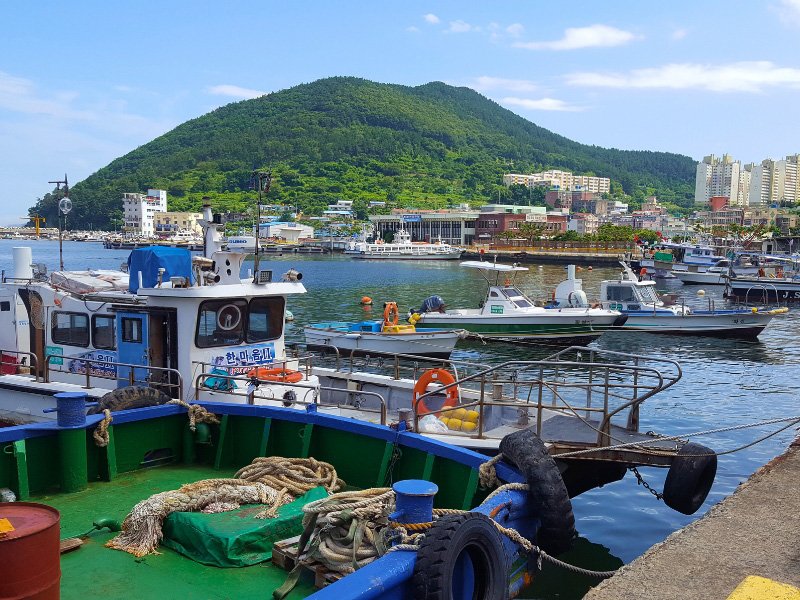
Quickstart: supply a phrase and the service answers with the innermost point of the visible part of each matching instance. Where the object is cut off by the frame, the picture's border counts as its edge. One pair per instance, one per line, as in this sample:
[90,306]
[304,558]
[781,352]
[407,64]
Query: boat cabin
[629,295]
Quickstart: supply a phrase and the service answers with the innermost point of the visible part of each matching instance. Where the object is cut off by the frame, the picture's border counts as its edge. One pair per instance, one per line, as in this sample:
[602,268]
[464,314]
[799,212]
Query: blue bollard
[413,501]
[71,408]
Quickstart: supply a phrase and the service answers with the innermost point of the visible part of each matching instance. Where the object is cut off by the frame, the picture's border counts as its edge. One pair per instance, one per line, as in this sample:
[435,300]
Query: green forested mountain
[352,139]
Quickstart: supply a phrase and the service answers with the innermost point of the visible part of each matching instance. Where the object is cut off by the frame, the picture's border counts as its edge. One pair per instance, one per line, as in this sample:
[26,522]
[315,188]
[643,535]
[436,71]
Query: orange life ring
[597,305]
[422,384]
[282,375]
[779,273]
[391,315]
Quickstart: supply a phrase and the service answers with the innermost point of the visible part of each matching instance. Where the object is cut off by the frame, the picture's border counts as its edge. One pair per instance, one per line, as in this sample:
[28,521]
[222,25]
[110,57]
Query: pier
[747,546]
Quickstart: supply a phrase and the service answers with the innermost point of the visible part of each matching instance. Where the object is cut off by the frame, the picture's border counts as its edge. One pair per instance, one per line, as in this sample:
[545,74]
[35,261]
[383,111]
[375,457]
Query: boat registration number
[497,310]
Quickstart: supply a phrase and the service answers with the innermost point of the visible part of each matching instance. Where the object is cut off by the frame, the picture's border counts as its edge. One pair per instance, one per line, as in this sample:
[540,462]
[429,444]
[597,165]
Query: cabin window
[70,329]
[265,319]
[104,334]
[220,323]
[132,329]
[5,306]
[620,293]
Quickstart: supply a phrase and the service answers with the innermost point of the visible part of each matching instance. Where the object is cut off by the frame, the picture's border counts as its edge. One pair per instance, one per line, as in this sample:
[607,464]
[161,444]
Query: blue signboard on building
[412,218]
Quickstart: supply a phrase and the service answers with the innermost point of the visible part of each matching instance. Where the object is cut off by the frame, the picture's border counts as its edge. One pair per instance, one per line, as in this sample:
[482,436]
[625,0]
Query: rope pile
[197,414]
[141,530]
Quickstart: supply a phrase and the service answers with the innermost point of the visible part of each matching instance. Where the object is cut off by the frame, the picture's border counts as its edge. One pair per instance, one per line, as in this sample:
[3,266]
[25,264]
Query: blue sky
[82,83]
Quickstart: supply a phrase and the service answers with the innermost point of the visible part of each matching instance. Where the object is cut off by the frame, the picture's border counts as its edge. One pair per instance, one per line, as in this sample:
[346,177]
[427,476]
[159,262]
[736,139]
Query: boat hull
[736,324]
[433,344]
[566,325]
[755,289]
[407,256]
[689,278]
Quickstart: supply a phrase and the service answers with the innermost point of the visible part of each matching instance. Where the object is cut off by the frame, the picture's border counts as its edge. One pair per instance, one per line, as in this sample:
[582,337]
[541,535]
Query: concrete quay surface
[754,531]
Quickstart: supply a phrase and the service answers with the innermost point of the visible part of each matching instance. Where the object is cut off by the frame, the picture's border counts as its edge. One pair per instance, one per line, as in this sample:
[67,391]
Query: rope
[100,433]
[487,474]
[197,414]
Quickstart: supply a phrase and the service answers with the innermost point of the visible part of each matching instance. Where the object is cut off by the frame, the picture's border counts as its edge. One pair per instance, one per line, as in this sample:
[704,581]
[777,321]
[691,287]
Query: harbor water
[725,382]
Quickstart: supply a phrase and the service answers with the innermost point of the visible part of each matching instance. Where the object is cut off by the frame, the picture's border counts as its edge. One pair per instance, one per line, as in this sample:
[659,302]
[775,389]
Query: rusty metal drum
[29,551]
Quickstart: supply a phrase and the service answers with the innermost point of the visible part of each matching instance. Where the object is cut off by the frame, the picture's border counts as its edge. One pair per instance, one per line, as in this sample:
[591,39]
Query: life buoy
[441,566]
[441,376]
[690,478]
[779,273]
[391,314]
[278,374]
[547,492]
[597,305]
[761,272]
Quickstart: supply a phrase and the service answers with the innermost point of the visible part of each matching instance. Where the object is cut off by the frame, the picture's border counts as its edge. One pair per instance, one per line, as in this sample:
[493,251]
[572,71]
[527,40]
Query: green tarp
[236,538]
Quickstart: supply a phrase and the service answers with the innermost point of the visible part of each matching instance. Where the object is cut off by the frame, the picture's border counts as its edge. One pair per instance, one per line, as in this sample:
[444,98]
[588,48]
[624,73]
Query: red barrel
[29,551]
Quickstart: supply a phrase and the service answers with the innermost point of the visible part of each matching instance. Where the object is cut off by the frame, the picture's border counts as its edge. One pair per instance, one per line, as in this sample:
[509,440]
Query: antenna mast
[262,181]
[64,206]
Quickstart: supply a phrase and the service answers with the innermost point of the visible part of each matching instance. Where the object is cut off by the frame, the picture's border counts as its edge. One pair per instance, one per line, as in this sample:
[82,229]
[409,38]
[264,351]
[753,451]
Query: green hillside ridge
[346,138]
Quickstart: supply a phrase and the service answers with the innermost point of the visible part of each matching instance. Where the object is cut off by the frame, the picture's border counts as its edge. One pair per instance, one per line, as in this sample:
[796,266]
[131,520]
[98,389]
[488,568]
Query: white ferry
[403,248]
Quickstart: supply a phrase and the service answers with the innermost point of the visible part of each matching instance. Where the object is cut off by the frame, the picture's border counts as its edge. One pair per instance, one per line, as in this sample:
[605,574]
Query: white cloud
[460,26]
[753,76]
[515,30]
[679,34]
[789,11]
[594,36]
[431,18]
[486,83]
[234,91]
[413,29]
[551,104]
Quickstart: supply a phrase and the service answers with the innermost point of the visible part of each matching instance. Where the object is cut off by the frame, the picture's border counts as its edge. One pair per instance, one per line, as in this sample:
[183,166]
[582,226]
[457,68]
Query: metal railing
[18,365]
[110,370]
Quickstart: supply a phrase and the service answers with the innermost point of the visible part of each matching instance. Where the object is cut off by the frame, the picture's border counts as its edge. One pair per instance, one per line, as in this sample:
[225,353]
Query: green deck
[93,571]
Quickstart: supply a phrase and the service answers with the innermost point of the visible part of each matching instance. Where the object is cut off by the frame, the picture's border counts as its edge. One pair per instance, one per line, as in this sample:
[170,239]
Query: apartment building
[138,211]
[719,177]
[563,180]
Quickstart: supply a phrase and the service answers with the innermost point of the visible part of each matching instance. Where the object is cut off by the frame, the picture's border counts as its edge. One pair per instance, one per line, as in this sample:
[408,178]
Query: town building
[583,224]
[719,177]
[138,211]
[342,209]
[455,227]
[563,180]
[170,223]
[282,230]
[498,218]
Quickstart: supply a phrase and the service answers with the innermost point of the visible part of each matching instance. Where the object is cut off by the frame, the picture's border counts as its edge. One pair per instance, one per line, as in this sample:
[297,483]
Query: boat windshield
[648,293]
[519,299]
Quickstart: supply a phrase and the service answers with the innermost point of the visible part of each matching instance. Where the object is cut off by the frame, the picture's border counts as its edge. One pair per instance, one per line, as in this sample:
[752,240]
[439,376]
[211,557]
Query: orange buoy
[278,374]
[366,300]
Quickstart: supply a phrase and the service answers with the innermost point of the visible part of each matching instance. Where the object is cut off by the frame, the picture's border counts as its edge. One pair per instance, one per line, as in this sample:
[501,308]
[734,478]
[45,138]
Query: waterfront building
[169,223]
[289,231]
[583,224]
[456,227]
[497,218]
[138,211]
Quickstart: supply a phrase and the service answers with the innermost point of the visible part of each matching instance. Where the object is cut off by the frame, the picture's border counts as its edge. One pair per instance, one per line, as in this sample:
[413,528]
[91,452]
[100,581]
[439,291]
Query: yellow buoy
[701,292]
[472,416]
[468,426]
[444,420]
[454,424]
[458,413]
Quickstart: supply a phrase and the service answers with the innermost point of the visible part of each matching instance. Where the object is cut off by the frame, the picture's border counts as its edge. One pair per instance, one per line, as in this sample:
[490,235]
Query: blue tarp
[176,262]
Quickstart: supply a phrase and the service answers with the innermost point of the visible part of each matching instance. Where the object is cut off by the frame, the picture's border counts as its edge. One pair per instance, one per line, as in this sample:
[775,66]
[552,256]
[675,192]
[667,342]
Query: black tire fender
[132,396]
[547,491]
[690,478]
[450,543]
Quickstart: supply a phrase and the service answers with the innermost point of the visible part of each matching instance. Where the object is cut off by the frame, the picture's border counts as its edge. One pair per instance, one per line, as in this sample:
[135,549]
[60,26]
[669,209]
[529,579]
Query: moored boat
[402,248]
[507,313]
[647,311]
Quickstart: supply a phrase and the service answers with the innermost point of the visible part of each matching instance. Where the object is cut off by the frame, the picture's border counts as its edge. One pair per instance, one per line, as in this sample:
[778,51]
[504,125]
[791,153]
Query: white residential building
[763,182]
[563,180]
[138,211]
[718,177]
[583,224]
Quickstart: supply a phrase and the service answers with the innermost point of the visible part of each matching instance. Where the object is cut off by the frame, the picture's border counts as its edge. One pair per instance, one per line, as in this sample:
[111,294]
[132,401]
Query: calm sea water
[725,382]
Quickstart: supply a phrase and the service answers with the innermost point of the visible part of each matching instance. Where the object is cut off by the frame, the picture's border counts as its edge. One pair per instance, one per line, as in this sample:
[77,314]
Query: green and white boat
[507,313]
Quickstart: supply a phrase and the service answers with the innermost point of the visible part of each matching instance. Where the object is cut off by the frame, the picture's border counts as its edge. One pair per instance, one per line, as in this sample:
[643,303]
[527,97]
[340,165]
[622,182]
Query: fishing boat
[716,275]
[402,248]
[382,337]
[152,504]
[507,313]
[647,311]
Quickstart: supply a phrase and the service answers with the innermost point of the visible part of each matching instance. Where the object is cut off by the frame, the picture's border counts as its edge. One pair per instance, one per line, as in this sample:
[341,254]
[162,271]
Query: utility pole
[64,206]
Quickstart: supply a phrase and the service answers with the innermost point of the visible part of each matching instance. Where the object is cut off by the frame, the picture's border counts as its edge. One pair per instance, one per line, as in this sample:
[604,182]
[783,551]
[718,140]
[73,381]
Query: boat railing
[252,384]
[164,378]
[356,359]
[17,365]
[597,392]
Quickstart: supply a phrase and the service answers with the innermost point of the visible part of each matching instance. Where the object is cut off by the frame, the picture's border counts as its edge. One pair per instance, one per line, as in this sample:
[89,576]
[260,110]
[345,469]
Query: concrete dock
[753,532]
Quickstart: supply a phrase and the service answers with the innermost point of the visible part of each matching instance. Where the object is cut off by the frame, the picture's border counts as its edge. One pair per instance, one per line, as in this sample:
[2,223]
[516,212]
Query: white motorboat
[507,313]
[404,249]
[382,337]
[647,312]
